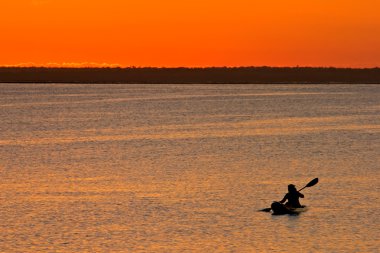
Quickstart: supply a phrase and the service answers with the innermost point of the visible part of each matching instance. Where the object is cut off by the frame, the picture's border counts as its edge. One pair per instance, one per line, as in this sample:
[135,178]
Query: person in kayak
[293,197]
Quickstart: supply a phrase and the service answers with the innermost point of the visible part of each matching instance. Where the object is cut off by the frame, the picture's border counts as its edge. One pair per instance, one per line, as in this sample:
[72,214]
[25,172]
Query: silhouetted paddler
[292,197]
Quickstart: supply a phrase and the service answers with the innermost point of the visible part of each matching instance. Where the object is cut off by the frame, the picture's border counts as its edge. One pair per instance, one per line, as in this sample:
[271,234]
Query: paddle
[310,184]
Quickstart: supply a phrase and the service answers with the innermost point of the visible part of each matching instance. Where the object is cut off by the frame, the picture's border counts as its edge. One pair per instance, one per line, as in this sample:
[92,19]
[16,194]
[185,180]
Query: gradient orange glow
[341,33]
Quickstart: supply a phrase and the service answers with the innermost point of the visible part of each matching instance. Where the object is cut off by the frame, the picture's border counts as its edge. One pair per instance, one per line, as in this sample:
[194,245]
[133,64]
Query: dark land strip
[238,75]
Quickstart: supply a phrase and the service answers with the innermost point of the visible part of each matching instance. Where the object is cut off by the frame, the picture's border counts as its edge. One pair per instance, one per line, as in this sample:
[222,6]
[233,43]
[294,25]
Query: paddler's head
[292,188]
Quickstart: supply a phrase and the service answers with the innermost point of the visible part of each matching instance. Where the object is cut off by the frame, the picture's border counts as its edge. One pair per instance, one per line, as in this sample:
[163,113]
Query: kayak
[280,209]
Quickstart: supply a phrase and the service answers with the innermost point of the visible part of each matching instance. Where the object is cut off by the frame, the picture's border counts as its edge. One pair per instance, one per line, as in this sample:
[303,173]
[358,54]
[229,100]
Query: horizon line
[86,65]
[183,67]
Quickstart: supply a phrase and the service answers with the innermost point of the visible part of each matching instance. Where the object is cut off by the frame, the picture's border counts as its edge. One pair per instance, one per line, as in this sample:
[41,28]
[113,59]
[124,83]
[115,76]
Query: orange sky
[342,33]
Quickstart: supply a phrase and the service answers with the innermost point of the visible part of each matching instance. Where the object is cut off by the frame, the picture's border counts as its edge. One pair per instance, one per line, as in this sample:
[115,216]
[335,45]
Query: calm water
[184,168]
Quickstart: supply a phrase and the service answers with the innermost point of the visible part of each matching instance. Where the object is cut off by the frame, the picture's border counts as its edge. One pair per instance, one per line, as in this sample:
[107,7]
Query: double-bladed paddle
[310,184]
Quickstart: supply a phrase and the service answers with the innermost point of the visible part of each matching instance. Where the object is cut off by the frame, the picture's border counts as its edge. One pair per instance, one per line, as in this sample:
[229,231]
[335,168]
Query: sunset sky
[170,33]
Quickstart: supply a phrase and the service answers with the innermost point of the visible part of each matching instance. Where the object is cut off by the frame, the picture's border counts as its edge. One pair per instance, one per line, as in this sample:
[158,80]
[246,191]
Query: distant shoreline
[211,75]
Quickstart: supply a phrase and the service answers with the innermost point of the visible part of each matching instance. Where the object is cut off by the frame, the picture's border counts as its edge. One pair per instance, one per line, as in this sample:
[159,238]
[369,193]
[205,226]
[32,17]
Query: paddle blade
[312,182]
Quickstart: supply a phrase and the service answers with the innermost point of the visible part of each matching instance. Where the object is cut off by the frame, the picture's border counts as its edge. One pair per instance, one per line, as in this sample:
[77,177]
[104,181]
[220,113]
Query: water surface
[184,168]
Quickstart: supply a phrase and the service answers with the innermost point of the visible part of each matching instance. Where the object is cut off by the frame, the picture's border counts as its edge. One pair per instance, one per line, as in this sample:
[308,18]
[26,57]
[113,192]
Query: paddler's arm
[301,195]
[284,199]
